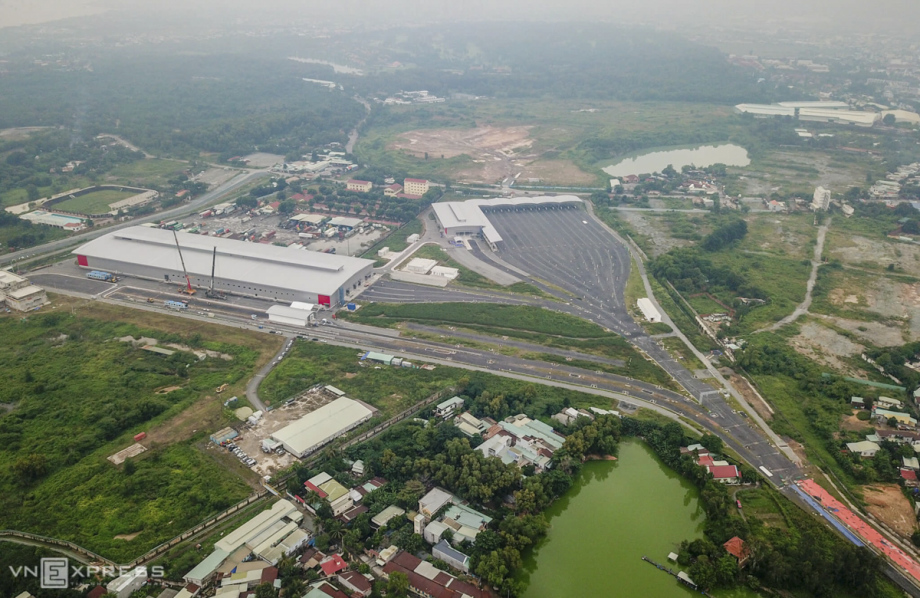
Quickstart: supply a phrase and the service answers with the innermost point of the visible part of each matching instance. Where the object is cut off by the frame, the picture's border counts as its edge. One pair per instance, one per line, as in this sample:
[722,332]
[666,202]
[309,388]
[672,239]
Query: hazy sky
[825,14]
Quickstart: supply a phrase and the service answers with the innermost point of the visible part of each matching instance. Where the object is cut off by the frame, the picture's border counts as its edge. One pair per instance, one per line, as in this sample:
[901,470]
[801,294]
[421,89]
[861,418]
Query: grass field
[79,395]
[17,196]
[511,317]
[95,202]
[147,172]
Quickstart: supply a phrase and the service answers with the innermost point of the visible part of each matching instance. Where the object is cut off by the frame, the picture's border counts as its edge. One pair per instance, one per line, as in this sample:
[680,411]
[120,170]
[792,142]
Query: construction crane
[187,290]
[211,293]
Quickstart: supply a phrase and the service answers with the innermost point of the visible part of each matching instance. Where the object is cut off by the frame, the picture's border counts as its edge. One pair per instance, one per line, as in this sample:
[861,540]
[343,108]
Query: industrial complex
[469,218]
[240,268]
[829,112]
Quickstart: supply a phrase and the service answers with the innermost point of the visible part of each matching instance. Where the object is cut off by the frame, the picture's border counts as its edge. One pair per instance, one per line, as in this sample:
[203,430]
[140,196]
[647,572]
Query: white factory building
[470,217]
[318,427]
[827,112]
[253,269]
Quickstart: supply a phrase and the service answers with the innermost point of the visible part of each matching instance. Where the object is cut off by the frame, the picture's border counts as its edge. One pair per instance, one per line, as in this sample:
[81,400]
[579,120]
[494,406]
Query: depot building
[471,217]
[241,268]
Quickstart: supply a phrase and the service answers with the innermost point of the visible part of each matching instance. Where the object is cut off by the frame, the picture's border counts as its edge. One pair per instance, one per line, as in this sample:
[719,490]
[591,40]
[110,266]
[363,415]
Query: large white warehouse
[316,428]
[470,217]
[253,269]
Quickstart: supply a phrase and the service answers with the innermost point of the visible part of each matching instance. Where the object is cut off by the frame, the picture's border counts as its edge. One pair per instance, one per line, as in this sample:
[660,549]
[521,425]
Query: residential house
[427,580]
[858,402]
[470,425]
[433,502]
[888,403]
[332,564]
[386,555]
[903,419]
[324,589]
[331,491]
[725,474]
[358,493]
[909,476]
[570,414]
[464,522]
[911,463]
[864,448]
[453,557]
[433,531]
[355,583]
[447,408]
[393,190]
[737,548]
[384,516]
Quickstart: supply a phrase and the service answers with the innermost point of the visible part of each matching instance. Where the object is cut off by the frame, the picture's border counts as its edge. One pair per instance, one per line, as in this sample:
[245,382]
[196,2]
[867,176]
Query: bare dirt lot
[477,143]
[889,505]
[263,160]
[825,346]
[853,424]
[876,333]
[496,152]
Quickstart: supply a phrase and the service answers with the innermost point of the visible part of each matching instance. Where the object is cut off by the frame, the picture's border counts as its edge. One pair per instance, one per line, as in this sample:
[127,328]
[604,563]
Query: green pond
[616,513]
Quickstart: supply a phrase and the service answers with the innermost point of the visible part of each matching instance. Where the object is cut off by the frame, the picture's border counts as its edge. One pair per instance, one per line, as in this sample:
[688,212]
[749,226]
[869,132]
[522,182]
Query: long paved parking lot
[568,248]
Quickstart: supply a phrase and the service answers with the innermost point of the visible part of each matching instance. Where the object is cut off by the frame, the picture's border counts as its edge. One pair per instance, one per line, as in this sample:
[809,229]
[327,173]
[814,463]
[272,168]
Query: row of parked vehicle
[242,456]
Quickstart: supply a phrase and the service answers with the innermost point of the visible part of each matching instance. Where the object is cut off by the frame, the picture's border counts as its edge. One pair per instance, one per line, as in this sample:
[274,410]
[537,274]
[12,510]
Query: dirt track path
[802,308]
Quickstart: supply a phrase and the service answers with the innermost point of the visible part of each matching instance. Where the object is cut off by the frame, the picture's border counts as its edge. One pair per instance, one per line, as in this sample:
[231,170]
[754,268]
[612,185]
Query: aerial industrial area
[341,310]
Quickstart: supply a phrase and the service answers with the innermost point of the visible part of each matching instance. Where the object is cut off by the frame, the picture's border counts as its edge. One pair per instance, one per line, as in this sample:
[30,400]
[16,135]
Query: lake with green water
[701,157]
[616,512]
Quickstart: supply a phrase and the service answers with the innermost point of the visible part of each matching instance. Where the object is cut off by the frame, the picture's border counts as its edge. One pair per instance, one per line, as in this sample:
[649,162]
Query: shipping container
[175,304]
[139,437]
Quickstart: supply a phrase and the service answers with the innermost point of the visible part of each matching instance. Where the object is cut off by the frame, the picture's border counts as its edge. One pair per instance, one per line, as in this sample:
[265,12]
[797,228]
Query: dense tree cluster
[725,235]
[690,271]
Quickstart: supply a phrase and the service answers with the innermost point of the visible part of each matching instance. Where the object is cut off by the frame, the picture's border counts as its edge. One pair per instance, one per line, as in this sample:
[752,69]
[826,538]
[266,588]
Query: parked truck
[100,275]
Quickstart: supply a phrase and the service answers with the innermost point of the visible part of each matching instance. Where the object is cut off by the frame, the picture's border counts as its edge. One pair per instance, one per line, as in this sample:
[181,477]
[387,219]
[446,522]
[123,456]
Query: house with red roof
[427,580]
[333,564]
[355,583]
[97,592]
[706,461]
[738,549]
[726,474]
[392,190]
[909,476]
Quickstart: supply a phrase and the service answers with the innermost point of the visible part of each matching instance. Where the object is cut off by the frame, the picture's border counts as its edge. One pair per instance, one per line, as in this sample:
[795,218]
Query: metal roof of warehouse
[318,426]
[452,214]
[254,263]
